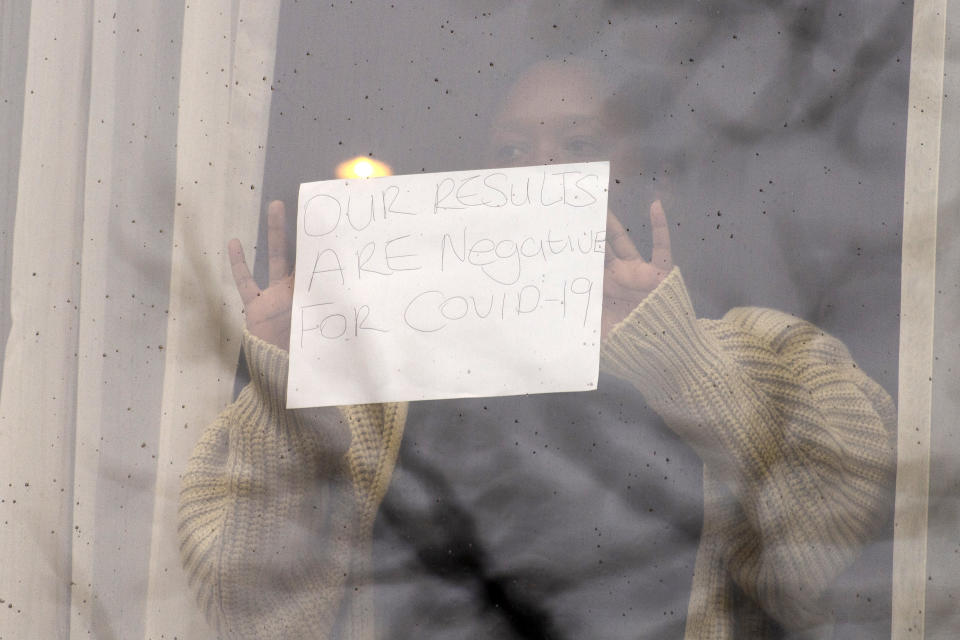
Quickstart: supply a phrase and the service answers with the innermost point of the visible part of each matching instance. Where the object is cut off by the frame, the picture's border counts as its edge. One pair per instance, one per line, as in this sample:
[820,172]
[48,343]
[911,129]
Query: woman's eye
[510,153]
[582,146]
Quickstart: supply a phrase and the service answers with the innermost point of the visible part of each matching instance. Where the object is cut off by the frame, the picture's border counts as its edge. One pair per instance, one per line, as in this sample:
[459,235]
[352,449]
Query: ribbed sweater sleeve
[797,443]
[274,507]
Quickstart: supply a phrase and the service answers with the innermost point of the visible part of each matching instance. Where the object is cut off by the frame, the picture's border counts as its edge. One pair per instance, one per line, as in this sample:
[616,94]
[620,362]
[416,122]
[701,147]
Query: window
[778,175]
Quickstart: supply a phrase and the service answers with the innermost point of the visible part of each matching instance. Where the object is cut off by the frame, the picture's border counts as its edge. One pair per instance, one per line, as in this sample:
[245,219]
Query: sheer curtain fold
[38,398]
[127,220]
[225,88]
[14,26]
[144,129]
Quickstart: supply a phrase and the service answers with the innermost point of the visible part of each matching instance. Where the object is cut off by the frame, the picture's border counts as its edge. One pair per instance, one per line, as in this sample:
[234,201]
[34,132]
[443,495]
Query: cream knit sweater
[277,506]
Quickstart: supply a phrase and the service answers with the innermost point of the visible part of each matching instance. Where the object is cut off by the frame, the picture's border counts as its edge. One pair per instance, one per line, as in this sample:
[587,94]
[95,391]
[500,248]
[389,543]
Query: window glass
[773,137]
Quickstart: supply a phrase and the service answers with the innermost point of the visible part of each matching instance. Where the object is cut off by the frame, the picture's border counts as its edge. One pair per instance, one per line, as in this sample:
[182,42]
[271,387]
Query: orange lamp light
[363,167]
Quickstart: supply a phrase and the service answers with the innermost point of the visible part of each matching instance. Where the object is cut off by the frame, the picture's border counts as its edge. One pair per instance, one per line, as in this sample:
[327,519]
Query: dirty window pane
[733,474]
[774,140]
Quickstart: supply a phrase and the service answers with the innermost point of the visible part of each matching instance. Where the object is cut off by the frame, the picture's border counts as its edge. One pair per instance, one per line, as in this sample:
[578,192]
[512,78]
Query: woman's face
[563,112]
[553,114]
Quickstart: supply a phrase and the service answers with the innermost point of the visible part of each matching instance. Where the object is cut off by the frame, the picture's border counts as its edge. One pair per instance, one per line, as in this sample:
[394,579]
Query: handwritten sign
[445,285]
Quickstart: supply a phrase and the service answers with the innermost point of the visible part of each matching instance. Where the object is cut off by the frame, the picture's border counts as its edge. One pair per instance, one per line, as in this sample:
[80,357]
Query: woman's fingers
[661,256]
[246,285]
[619,240]
[277,241]
[636,275]
[624,264]
[627,277]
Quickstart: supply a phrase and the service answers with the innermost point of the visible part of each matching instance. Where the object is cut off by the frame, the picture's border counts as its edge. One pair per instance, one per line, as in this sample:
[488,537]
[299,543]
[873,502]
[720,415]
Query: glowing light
[361,167]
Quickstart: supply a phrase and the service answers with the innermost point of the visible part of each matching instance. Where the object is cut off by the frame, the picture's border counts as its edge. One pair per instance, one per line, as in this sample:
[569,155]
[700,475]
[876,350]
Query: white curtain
[142,130]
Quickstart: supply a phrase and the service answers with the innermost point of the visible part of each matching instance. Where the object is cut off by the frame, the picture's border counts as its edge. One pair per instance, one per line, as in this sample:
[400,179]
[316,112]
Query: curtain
[143,129]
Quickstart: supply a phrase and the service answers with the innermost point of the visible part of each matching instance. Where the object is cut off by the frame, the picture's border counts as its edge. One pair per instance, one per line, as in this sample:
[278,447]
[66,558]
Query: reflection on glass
[721,482]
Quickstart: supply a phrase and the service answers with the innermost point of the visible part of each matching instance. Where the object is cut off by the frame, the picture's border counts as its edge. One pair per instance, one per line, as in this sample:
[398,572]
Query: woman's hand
[267,310]
[627,277]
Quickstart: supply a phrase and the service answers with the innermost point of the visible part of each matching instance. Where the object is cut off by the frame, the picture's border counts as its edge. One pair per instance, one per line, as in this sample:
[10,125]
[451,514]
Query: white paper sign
[445,285]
